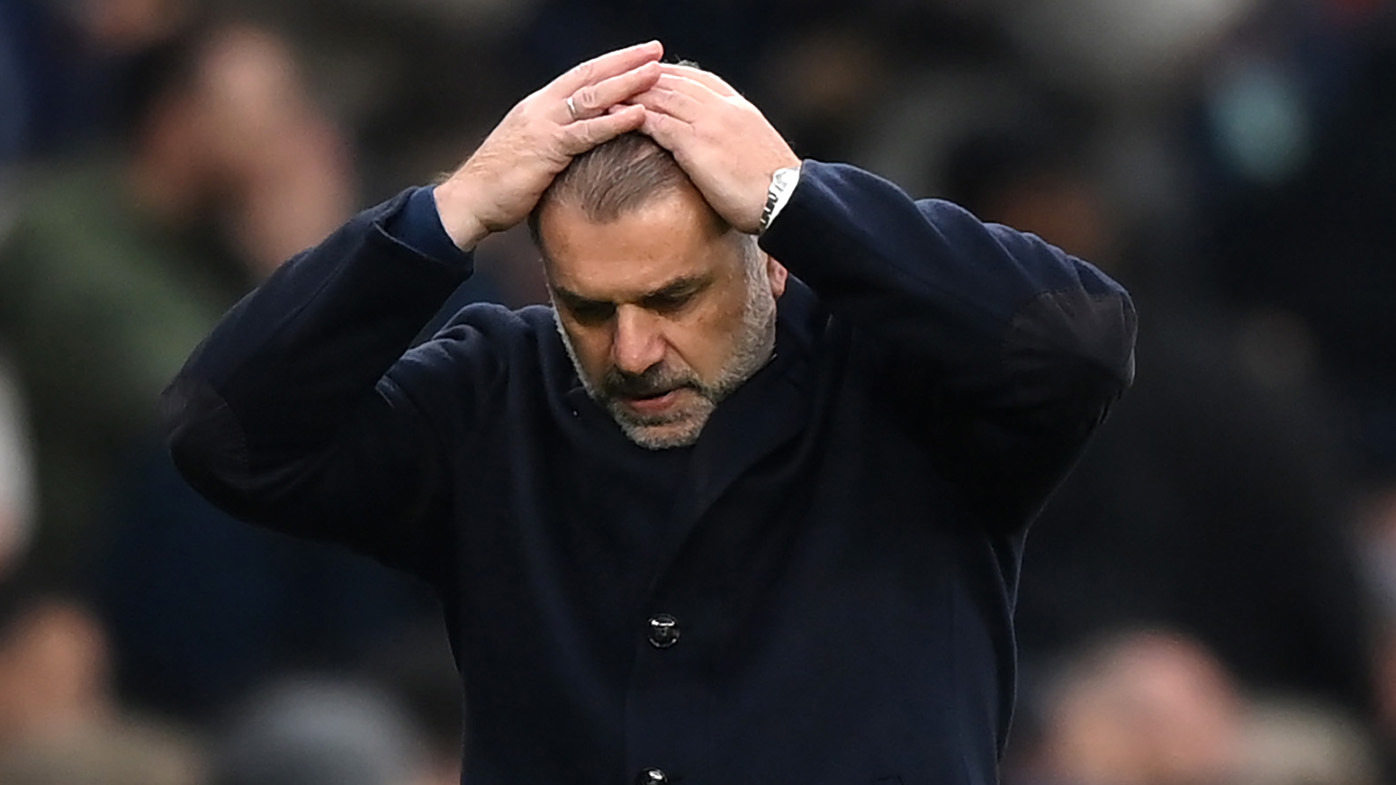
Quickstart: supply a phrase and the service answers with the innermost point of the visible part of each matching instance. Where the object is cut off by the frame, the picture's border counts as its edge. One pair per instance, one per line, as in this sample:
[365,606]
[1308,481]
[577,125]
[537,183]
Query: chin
[663,437]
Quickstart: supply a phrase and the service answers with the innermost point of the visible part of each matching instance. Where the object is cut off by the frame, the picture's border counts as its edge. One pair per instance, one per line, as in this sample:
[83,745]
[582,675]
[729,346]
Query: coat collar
[766,412]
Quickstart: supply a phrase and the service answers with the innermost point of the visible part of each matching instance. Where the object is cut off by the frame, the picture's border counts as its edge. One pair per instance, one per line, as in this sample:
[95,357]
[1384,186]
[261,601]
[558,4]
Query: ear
[777,274]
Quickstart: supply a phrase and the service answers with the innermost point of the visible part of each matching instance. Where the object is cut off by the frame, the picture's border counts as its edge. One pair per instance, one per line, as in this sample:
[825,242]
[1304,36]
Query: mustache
[654,381]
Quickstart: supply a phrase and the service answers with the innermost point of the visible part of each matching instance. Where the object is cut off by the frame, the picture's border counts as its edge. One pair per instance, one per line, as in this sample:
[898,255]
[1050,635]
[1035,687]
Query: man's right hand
[501,182]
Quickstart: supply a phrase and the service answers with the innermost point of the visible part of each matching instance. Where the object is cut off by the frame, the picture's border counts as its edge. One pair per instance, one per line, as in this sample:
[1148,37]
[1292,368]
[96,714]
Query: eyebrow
[679,287]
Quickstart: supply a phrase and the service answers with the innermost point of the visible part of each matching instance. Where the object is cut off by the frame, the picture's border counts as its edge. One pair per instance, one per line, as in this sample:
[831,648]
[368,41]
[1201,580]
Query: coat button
[664,632]
[652,777]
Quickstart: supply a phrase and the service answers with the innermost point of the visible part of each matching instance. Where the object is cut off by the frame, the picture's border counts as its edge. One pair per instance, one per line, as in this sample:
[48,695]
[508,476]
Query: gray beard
[754,347]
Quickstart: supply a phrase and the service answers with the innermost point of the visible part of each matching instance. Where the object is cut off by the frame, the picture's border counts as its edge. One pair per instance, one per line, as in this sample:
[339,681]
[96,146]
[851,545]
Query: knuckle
[526,111]
[585,98]
[519,113]
[580,139]
[592,133]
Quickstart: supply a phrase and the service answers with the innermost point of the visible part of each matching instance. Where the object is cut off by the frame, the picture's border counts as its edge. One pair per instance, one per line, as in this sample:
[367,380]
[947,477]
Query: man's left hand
[724,143]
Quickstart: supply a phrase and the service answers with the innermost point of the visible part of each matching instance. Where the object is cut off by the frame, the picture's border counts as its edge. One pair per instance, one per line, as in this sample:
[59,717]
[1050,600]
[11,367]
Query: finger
[710,80]
[604,67]
[692,88]
[592,100]
[671,102]
[583,135]
[665,129]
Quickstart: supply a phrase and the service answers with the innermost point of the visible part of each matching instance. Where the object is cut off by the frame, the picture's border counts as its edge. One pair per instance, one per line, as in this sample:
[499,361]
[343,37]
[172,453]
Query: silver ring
[572,108]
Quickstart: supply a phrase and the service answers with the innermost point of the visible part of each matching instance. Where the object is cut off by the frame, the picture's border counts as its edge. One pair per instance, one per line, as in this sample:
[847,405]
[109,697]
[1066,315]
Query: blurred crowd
[1210,599]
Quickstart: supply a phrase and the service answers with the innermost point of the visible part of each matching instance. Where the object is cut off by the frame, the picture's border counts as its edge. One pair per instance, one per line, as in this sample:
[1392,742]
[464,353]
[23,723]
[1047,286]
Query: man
[704,521]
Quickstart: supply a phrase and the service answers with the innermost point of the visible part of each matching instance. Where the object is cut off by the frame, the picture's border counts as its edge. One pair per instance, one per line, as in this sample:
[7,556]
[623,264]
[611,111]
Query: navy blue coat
[820,590]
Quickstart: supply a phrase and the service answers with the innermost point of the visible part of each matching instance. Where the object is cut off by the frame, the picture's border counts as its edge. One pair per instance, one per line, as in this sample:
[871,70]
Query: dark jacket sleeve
[1001,351]
[287,415]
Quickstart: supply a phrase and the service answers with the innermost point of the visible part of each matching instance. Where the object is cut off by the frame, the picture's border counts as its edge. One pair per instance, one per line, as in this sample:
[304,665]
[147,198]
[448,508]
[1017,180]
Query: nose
[638,342]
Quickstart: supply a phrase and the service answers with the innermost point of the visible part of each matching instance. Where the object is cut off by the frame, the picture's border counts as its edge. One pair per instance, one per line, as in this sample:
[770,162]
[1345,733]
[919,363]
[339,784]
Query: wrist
[783,182]
[454,209]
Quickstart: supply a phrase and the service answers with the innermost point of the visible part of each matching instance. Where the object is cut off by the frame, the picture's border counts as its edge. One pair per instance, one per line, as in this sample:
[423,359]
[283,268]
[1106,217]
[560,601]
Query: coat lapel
[763,414]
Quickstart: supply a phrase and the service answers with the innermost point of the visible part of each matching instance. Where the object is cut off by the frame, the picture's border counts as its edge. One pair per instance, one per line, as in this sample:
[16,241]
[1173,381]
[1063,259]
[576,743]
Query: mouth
[656,403]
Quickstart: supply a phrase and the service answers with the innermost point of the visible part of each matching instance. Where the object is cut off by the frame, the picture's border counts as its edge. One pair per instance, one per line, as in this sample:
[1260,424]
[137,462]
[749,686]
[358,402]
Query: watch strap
[783,184]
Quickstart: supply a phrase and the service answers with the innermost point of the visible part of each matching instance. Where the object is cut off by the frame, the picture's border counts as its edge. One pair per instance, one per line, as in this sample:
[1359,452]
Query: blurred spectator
[1289,742]
[1152,707]
[117,265]
[1296,128]
[319,732]
[824,83]
[417,667]
[117,754]
[279,171]
[1137,52]
[1379,551]
[1212,502]
[60,723]
[54,663]
[113,271]
[62,66]
[1137,708]
[116,269]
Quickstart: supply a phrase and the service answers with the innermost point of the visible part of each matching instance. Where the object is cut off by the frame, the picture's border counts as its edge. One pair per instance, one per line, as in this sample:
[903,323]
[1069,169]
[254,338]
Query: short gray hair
[611,179]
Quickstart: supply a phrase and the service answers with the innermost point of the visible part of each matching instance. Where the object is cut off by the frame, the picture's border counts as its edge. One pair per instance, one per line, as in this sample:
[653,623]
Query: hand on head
[721,140]
[501,182]
[725,145]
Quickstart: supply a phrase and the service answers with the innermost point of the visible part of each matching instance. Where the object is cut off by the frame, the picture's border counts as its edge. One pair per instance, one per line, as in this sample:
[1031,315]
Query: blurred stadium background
[1209,600]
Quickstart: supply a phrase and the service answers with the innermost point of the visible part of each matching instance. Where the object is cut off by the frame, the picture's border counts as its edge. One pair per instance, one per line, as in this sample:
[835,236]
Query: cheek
[593,349]
[705,341]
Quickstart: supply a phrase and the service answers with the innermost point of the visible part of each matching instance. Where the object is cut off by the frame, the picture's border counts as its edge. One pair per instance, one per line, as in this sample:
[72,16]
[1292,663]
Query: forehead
[672,236]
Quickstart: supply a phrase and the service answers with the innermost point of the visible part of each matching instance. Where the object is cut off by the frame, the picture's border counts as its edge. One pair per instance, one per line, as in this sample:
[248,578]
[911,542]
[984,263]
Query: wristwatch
[783,184]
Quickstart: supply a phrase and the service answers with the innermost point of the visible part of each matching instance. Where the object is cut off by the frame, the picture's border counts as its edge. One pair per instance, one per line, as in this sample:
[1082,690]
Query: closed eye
[677,295]
[591,312]
[669,300]
[667,303]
